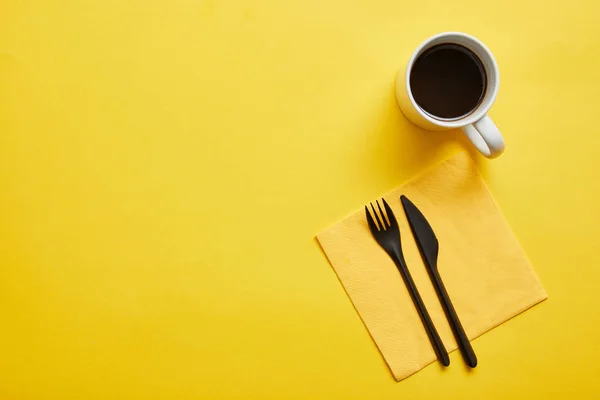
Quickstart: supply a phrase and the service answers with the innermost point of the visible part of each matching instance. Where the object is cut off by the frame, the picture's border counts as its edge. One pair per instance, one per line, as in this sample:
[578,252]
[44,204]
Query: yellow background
[165,165]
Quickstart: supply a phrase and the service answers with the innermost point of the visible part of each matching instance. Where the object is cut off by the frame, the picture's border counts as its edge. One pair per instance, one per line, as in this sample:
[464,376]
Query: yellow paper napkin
[485,271]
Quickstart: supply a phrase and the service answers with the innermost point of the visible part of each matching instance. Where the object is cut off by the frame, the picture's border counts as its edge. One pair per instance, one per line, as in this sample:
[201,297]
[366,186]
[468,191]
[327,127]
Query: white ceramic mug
[478,127]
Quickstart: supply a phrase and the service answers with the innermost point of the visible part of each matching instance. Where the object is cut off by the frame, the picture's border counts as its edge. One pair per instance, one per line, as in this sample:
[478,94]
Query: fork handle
[434,337]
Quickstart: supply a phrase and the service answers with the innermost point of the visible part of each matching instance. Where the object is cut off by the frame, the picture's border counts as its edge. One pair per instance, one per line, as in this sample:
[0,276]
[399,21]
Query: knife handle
[434,337]
[459,333]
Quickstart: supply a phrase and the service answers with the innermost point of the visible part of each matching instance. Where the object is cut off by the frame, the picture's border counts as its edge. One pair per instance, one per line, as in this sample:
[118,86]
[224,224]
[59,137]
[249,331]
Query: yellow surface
[484,269]
[150,152]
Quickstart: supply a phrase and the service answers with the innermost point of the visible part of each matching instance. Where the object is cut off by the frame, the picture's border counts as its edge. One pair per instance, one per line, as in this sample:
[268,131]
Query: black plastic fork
[387,233]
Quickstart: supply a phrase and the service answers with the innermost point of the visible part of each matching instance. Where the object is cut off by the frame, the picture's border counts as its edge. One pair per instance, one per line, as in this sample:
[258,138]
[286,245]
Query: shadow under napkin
[486,273]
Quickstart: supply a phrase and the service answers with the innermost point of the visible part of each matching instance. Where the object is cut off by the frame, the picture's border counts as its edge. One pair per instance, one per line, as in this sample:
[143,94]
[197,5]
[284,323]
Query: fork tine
[372,226]
[383,216]
[381,224]
[390,214]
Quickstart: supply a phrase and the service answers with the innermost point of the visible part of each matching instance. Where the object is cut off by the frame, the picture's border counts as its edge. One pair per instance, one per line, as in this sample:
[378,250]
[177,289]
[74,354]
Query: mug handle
[485,137]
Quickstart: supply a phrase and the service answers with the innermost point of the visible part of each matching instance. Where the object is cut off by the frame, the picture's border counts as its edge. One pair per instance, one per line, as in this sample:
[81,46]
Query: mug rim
[471,118]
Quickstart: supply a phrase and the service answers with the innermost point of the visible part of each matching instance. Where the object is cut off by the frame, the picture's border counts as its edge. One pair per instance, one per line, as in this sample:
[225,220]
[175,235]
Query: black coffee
[448,81]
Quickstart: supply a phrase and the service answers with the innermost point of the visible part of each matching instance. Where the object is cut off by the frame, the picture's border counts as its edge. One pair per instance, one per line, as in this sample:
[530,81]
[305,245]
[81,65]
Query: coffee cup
[451,81]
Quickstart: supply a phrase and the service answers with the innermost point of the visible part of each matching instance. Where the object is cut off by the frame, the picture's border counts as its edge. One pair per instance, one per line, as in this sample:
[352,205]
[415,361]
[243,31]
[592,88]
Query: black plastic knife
[429,247]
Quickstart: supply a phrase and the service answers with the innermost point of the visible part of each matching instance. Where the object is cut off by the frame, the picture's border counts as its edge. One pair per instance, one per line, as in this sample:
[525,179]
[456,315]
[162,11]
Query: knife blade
[428,246]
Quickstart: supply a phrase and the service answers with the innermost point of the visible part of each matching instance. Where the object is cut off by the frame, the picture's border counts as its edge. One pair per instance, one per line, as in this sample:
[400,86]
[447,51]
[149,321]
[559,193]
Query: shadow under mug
[478,127]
